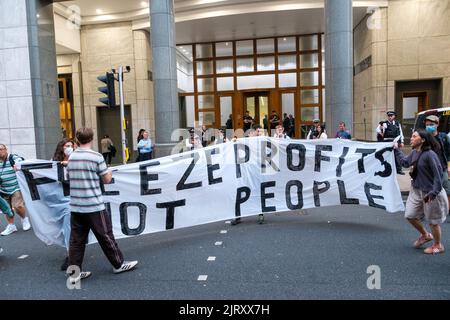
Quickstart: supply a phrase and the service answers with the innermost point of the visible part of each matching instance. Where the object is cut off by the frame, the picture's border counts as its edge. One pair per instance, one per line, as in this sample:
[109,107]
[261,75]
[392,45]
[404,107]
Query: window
[206,101]
[224,66]
[287,44]
[266,63]
[265,46]
[245,65]
[224,49]
[244,47]
[203,50]
[286,62]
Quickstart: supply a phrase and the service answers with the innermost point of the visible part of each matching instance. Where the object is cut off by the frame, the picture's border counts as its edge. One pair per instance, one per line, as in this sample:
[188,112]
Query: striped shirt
[85,169]
[8,184]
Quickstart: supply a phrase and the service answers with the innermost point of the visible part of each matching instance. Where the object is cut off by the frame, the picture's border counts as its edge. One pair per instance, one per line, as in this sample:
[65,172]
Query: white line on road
[202,277]
[218,243]
[223,231]
[211,258]
[227,222]
[23,256]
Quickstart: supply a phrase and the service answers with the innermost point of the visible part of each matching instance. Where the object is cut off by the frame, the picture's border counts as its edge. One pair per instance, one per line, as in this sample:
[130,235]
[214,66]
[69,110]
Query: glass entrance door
[257,104]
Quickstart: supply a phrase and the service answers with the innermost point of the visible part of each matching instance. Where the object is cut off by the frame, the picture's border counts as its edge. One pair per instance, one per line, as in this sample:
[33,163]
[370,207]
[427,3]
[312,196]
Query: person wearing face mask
[431,126]
[64,149]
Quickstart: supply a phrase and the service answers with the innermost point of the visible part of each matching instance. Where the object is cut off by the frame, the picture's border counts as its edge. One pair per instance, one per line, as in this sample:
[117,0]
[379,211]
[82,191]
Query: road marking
[202,277]
[223,231]
[23,256]
[211,258]
[227,222]
[218,243]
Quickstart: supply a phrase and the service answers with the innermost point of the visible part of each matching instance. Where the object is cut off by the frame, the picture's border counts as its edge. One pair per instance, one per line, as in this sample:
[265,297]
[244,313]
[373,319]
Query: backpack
[11,160]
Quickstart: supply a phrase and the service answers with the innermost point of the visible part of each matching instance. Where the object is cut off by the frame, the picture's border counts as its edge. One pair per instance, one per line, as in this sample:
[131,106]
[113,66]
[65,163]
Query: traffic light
[110,99]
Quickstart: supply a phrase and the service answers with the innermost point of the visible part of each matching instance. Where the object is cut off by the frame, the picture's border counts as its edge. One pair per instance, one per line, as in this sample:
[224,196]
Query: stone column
[162,35]
[338,64]
[29,121]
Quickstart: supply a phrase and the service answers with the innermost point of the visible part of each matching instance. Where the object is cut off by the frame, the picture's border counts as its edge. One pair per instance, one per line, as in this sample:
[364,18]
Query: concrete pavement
[321,253]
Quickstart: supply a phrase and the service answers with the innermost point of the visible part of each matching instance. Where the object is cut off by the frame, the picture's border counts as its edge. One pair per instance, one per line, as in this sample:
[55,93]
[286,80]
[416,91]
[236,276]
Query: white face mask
[68,151]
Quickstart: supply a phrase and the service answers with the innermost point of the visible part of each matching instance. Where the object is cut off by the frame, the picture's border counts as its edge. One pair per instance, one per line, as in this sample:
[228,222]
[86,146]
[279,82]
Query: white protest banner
[223,181]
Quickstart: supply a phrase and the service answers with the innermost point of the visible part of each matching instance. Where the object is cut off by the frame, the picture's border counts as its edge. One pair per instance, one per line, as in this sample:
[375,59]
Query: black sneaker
[261,219]
[235,221]
[65,264]
[401,173]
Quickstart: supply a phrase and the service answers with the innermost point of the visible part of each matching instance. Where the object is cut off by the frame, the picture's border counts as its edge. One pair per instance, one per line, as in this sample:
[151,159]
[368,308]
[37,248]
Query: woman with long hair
[64,148]
[427,199]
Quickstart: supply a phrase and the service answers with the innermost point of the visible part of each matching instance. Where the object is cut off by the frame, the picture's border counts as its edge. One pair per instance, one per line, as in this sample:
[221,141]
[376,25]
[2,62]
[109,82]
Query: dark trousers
[145,156]
[107,156]
[100,224]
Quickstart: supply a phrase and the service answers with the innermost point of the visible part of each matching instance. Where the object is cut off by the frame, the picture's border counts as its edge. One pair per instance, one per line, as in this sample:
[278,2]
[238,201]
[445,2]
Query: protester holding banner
[10,191]
[427,199]
[88,212]
[280,132]
[63,150]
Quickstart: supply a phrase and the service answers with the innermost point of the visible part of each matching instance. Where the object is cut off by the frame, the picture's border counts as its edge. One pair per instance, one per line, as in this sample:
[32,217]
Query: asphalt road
[315,254]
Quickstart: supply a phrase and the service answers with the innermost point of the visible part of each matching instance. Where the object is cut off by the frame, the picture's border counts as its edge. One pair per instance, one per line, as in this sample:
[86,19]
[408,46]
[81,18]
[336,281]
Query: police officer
[391,129]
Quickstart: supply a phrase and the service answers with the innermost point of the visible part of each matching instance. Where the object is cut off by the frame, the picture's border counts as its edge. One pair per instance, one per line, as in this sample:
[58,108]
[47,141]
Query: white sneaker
[26,224]
[81,275]
[126,266]
[10,228]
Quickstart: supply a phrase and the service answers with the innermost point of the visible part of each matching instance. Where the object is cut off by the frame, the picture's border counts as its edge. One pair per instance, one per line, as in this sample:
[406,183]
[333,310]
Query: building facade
[231,57]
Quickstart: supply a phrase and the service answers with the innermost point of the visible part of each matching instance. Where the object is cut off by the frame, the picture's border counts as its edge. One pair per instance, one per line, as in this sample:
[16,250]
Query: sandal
[434,249]
[422,240]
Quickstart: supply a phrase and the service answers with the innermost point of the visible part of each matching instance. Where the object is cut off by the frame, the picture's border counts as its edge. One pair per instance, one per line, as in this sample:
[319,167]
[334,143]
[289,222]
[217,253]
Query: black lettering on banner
[319,157]
[387,166]
[317,191]
[146,177]
[301,156]
[341,161]
[268,156]
[364,152]
[108,193]
[108,208]
[123,209]
[239,160]
[343,194]
[265,196]
[370,197]
[241,199]
[32,182]
[212,167]
[170,212]
[299,185]
[62,178]
[181,185]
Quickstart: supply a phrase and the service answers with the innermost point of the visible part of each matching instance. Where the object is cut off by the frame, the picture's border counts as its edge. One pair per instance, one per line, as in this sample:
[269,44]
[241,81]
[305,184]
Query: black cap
[391,113]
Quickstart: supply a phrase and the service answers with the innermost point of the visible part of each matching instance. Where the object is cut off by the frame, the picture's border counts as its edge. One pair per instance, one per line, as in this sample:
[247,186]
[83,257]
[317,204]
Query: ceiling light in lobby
[144,4]
[99,11]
